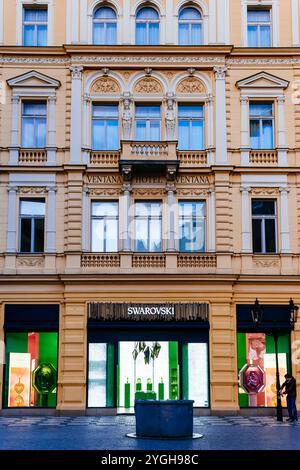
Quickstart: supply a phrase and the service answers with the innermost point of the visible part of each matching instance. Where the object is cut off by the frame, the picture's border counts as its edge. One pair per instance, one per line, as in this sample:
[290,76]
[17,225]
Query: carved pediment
[262,80]
[191,85]
[105,85]
[148,85]
[33,79]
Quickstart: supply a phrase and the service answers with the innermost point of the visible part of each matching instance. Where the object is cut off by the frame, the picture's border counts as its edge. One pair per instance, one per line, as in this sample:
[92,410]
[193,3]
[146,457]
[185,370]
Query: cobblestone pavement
[109,432]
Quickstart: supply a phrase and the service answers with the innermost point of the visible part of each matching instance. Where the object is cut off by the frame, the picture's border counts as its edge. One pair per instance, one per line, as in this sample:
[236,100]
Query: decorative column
[244,12]
[126,23]
[221,131]
[127,116]
[245,141]
[51,220]
[171,201]
[246,220]
[210,130]
[284,221]
[281,139]
[86,145]
[125,222]
[14,147]
[76,118]
[51,147]
[85,218]
[170,117]
[212,22]
[223,21]
[295,22]
[212,221]
[12,220]
[170,19]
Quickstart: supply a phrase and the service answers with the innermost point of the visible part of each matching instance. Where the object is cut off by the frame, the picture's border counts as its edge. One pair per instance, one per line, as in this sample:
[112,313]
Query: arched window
[105,26]
[190,27]
[147,27]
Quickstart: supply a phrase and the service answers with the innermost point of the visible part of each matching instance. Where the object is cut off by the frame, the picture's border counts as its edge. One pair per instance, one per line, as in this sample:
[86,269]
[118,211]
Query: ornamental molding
[190,85]
[182,192]
[266,262]
[105,85]
[262,80]
[33,79]
[261,61]
[148,85]
[32,190]
[150,59]
[265,191]
[104,191]
[145,192]
[30,261]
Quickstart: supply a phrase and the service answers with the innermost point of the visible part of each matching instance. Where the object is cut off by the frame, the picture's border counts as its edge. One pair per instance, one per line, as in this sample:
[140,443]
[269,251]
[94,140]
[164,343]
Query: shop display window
[31,370]
[257,368]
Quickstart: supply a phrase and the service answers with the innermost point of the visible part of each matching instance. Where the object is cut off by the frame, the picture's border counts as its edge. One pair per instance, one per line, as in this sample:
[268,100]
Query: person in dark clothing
[291,394]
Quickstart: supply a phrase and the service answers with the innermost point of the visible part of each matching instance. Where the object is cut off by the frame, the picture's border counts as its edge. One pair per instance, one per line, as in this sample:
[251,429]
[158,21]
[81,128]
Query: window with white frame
[192,226]
[32,226]
[34,124]
[104,226]
[259,27]
[262,125]
[147,27]
[264,221]
[105,127]
[190,127]
[105,26]
[148,226]
[35,26]
[190,27]
[148,122]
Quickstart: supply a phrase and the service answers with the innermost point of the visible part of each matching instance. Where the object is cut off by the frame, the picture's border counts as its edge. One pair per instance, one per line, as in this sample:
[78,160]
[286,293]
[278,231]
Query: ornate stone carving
[266,262]
[145,192]
[127,117]
[190,85]
[105,85]
[32,190]
[30,261]
[220,73]
[76,72]
[190,192]
[148,85]
[265,191]
[170,118]
[104,191]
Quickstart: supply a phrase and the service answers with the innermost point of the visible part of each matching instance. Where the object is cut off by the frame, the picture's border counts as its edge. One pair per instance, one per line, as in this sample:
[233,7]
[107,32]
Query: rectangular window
[31,369]
[147,122]
[32,225]
[35,23]
[105,127]
[148,227]
[264,229]
[34,124]
[192,226]
[105,221]
[190,127]
[261,125]
[259,28]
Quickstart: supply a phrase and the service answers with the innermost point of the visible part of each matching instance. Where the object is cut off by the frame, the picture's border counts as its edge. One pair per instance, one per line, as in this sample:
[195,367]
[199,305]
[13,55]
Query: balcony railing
[100,260]
[191,158]
[32,156]
[109,159]
[263,157]
[133,150]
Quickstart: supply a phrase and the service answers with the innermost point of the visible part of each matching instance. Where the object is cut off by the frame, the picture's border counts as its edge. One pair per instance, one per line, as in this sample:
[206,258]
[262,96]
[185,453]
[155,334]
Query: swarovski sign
[151,310]
[167,312]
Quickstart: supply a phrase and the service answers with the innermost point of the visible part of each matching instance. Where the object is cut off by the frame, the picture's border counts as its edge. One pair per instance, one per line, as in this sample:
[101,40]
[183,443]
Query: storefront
[31,356]
[256,355]
[147,352]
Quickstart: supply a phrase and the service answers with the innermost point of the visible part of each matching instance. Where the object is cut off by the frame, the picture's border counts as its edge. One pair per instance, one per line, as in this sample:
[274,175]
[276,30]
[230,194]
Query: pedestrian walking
[289,389]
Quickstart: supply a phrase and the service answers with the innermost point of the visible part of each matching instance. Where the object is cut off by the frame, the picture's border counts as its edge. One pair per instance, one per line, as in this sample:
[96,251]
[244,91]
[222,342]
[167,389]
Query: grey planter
[164,418]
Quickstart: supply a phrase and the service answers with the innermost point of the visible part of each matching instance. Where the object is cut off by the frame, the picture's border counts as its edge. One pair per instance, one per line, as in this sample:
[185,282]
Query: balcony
[263,157]
[149,157]
[107,159]
[32,156]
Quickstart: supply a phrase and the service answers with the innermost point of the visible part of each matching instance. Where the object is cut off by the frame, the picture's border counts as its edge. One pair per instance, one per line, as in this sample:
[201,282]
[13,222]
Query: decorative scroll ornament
[104,191]
[265,191]
[30,261]
[148,85]
[266,263]
[32,190]
[105,85]
[191,85]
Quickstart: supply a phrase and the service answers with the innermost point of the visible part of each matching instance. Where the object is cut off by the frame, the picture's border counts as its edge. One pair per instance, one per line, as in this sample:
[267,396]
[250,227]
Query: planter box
[164,418]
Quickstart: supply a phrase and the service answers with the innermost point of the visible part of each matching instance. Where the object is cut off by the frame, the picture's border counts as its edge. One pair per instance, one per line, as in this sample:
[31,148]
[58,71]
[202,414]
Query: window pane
[254,134]
[260,207]
[140,130]
[155,235]
[102,111]
[259,16]
[104,209]
[111,33]
[112,138]
[147,14]
[196,34]
[28,134]
[25,235]
[148,209]
[41,35]
[105,13]
[256,235]
[98,135]
[265,36]
[184,34]
[154,130]
[30,14]
[34,109]
[29,35]
[111,235]
[147,111]
[267,136]
[141,233]
[99,33]
[183,135]
[270,231]
[197,131]
[39,235]
[97,375]
[189,14]
[98,235]
[190,111]
[40,133]
[32,207]
[154,34]
[261,109]
[141,34]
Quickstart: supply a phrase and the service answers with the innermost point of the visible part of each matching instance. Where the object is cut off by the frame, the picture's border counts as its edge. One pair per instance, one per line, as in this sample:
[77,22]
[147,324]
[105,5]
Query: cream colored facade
[223,74]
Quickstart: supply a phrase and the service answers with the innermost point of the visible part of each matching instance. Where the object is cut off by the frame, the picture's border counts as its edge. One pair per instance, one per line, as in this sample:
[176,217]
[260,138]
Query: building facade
[149,193]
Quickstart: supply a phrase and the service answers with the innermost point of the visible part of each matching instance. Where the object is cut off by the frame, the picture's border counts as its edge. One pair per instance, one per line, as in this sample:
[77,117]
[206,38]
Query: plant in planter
[150,351]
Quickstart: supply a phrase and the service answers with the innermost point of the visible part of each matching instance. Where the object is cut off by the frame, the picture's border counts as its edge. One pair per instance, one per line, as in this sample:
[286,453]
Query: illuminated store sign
[151,310]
